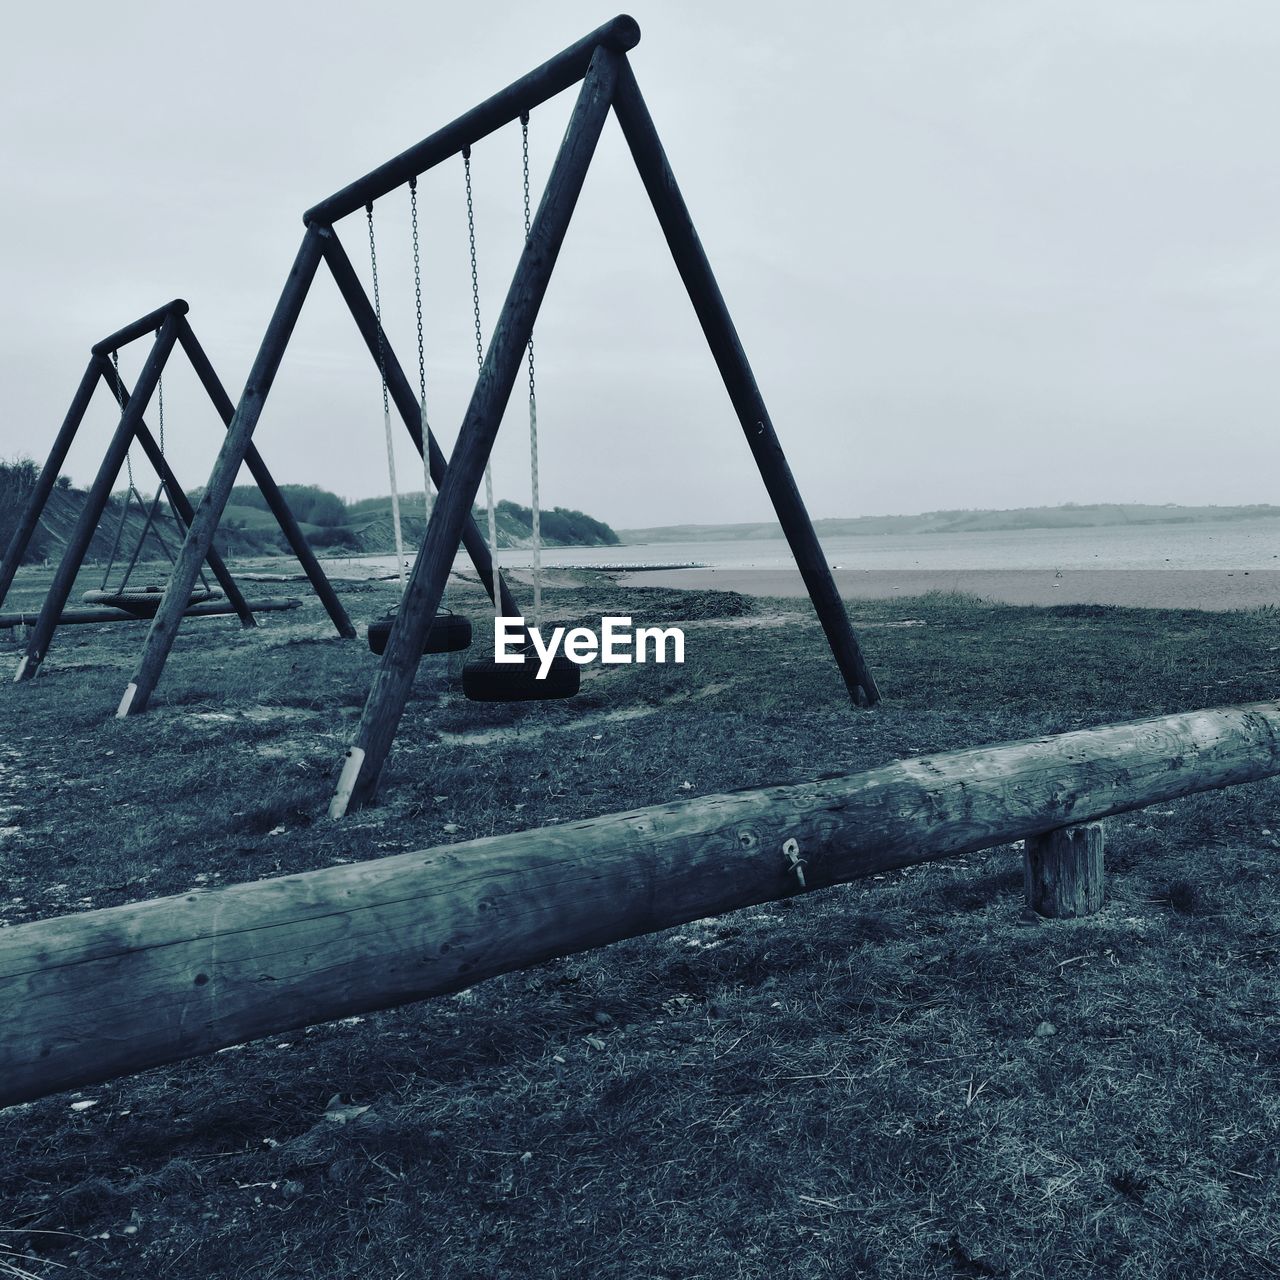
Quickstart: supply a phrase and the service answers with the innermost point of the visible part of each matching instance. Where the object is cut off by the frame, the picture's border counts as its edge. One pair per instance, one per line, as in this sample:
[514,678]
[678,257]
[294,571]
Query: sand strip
[1139,588]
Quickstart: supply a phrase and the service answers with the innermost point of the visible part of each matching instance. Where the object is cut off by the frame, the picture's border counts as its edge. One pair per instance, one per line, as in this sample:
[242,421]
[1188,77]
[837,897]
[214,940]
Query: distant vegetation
[1069,516]
[17,480]
[249,528]
[311,504]
[559,526]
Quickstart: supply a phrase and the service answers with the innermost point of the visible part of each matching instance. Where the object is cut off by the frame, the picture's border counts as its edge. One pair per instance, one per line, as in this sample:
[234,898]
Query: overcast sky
[980,254]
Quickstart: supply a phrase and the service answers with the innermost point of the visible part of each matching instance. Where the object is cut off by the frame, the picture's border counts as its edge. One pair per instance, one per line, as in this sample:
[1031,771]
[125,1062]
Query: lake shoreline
[1210,589]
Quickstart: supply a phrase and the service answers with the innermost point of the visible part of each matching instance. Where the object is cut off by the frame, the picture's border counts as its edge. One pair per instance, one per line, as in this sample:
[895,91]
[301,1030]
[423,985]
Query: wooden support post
[95,502]
[267,486]
[204,524]
[100,993]
[39,496]
[181,503]
[717,325]
[410,410]
[1062,871]
[391,684]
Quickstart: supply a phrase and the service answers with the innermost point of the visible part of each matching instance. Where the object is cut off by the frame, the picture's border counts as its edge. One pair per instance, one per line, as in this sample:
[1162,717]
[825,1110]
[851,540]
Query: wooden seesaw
[87,997]
[99,613]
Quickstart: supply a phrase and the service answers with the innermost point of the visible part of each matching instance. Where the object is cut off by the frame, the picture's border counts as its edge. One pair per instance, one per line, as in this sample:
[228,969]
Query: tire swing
[450,632]
[143,601]
[487,680]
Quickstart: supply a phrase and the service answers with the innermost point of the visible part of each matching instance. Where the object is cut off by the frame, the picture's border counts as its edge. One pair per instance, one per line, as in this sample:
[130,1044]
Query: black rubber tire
[144,601]
[489,681]
[450,633]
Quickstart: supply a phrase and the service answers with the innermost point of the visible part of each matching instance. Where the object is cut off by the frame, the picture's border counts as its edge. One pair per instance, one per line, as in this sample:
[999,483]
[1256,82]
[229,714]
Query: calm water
[1252,544]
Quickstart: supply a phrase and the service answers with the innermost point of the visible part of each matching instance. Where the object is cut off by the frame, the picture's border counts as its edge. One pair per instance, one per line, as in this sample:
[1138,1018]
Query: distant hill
[558,526]
[63,509]
[1069,516]
[249,529]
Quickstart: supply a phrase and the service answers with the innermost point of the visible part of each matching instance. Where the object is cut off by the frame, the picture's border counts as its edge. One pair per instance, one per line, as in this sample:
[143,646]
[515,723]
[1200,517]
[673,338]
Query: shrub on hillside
[17,481]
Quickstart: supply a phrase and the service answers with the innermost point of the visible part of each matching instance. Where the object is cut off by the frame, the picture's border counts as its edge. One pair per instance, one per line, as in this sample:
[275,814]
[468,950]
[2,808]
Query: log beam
[92,614]
[103,993]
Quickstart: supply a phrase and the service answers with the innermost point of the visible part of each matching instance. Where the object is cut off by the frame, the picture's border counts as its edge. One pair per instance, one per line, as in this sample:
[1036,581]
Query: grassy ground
[902,1077]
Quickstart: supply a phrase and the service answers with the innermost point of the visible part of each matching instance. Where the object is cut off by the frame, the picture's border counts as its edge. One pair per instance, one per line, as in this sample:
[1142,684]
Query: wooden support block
[1062,871]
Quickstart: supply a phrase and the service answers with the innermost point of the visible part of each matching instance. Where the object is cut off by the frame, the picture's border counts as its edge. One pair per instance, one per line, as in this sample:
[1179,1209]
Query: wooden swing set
[598,63]
[121,601]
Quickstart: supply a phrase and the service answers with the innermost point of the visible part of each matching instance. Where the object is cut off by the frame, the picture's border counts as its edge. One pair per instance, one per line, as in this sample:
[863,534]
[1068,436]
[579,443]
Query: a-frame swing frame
[169,327]
[599,62]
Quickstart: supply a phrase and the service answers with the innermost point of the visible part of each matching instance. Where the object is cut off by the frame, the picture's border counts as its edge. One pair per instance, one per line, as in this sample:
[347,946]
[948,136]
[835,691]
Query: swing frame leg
[722,337]
[96,501]
[389,693]
[204,523]
[48,478]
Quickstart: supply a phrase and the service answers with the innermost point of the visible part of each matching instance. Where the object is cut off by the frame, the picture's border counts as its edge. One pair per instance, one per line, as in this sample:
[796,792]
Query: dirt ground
[902,1077]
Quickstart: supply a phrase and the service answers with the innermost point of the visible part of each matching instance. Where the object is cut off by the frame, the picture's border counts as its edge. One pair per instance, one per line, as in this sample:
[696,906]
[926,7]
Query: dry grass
[902,1077]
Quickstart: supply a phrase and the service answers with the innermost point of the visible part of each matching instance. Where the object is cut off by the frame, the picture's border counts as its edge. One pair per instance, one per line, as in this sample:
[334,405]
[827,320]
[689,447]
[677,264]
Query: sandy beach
[1136,588]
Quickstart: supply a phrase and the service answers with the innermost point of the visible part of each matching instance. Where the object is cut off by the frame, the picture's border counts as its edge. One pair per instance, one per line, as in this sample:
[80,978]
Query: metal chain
[160,488]
[535,507]
[160,408]
[475,303]
[475,277]
[524,134]
[424,424]
[386,403]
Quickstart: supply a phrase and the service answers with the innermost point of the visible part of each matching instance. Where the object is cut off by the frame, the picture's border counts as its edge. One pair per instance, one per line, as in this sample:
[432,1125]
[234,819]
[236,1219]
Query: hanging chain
[160,408]
[161,487]
[524,134]
[475,277]
[424,425]
[128,457]
[488,464]
[417,286]
[377,311]
[535,516]
[386,403]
